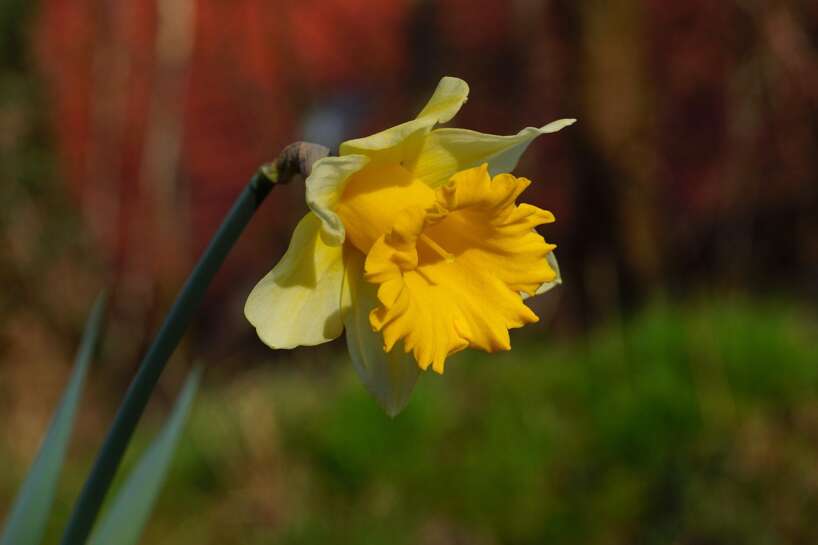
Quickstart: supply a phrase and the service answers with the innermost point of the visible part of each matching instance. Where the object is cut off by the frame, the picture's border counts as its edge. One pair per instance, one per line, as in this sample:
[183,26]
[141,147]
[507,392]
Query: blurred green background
[670,392]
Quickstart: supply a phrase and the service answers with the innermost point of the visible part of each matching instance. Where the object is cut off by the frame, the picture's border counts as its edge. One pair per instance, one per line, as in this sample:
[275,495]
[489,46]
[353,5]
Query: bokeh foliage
[693,424]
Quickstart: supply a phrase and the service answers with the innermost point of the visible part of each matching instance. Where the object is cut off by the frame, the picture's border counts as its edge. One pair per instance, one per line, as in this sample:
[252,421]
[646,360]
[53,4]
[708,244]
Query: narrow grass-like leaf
[167,338]
[28,515]
[130,509]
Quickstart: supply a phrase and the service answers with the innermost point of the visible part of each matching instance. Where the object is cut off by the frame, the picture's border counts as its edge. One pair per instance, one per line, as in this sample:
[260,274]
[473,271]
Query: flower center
[436,248]
[373,198]
[450,274]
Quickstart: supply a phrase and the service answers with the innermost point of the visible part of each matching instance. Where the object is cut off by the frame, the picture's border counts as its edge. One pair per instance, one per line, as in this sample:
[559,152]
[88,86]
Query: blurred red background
[692,167]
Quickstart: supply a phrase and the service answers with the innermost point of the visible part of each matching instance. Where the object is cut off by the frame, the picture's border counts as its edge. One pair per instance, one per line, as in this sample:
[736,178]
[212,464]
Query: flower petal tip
[557,125]
[451,93]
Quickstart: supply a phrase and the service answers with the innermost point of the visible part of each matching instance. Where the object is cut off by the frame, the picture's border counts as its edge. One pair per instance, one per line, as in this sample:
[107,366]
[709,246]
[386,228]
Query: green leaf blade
[130,510]
[28,516]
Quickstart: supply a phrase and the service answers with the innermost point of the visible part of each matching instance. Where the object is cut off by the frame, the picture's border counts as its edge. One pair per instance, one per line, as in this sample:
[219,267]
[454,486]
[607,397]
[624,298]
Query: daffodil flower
[415,246]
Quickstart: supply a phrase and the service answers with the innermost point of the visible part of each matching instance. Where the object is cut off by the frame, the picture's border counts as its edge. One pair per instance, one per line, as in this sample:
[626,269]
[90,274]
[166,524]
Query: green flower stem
[110,455]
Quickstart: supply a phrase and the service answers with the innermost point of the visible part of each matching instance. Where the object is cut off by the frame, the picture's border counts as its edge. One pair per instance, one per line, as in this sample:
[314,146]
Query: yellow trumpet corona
[415,246]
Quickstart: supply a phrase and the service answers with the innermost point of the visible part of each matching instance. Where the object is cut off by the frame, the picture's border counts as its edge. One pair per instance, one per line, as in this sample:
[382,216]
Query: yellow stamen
[437,248]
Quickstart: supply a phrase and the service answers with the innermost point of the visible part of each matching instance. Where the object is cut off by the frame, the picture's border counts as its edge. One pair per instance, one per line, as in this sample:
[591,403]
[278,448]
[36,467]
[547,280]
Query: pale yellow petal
[446,101]
[389,376]
[298,303]
[402,142]
[446,151]
[325,186]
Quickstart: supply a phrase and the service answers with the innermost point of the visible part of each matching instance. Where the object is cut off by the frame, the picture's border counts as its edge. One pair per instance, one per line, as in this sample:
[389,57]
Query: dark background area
[667,396]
